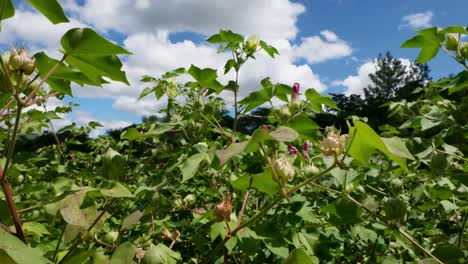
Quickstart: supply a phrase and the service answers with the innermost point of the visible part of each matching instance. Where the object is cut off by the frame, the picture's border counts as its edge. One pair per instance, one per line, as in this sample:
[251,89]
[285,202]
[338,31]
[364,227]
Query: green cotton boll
[464,50]
[451,43]
[395,211]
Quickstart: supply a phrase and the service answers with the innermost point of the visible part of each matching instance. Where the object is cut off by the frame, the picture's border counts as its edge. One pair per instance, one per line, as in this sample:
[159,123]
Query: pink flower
[266,128]
[305,149]
[295,90]
[292,150]
[162,165]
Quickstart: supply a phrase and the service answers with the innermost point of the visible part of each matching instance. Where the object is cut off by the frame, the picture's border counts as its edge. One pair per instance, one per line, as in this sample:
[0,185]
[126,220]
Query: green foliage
[188,186]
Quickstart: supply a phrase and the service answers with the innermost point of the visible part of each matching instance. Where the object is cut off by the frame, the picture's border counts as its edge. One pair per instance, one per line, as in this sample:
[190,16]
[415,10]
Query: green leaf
[124,254]
[7,9]
[229,65]
[117,191]
[79,217]
[317,100]
[455,29]
[206,78]
[234,149]
[284,134]
[35,228]
[303,124]
[96,67]
[113,164]
[449,254]
[397,147]
[86,42]
[161,254]
[191,166]
[366,141]
[132,219]
[13,249]
[427,53]
[256,99]
[262,182]
[45,63]
[269,49]
[300,256]
[50,9]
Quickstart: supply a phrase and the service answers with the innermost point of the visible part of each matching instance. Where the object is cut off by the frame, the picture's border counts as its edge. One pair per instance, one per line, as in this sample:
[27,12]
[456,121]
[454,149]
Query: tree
[393,80]
[393,75]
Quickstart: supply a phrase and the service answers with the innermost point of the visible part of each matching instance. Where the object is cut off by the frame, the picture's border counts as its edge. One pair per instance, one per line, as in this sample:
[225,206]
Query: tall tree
[392,80]
[391,76]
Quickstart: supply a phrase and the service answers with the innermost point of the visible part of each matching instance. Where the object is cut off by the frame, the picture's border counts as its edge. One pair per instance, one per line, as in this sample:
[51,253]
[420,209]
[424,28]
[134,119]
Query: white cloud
[35,31]
[315,49]
[355,84]
[146,25]
[267,18]
[417,20]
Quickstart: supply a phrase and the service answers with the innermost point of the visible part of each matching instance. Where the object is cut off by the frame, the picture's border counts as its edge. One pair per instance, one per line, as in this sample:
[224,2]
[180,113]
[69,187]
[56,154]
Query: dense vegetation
[264,185]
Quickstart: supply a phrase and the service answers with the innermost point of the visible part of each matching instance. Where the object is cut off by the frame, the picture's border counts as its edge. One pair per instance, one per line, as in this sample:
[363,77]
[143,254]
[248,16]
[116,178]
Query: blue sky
[326,44]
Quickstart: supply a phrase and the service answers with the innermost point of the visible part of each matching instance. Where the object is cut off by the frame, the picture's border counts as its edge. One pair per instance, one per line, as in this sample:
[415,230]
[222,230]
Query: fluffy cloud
[268,18]
[316,49]
[355,84]
[144,28]
[417,20]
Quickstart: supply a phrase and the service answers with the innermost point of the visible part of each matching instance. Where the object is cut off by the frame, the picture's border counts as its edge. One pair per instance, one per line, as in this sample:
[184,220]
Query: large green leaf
[366,141]
[317,100]
[428,40]
[96,67]
[161,254]
[262,182]
[225,36]
[256,99]
[12,249]
[86,42]
[206,78]
[50,9]
[7,9]
[191,165]
[45,63]
[124,254]
[113,164]
[300,256]
[303,124]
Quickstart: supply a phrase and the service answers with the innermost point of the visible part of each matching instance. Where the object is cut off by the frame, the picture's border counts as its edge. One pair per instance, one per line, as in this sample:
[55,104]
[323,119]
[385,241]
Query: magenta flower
[295,90]
[266,128]
[305,149]
[292,150]
[162,165]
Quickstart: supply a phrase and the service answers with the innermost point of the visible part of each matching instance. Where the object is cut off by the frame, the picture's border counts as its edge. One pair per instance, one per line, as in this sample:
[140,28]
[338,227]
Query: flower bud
[15,62]
[283,113]
[333,144]
[451,43]
[266,128]
[464,50]
[111,237]
[311,170]
[282,169]
[252,43]
[189,199]
[292,150]
[222,211]
[30,67]
[396,185]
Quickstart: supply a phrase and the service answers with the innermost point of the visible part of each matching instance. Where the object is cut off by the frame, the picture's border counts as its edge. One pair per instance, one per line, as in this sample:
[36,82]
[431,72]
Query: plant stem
[6,228]
[4,181]
[244,203]
[234,126]
[54,258]
[462,230]
[77,242]
[400,230]
[43,80]
[263,212]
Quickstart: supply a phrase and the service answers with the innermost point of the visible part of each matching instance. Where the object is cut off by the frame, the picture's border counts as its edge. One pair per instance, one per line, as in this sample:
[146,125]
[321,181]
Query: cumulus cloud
[355,84]
[316,49]
[417,20]
[268,18]
[145,27]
